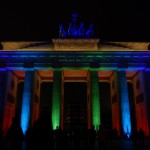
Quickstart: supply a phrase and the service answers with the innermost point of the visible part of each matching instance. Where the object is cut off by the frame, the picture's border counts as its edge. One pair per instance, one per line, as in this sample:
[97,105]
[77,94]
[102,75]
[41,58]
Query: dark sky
[124,20]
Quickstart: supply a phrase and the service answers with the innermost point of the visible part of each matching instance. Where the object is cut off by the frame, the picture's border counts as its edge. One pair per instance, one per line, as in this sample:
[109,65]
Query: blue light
[26,102]
[128,134]
[125,108]
[74,30]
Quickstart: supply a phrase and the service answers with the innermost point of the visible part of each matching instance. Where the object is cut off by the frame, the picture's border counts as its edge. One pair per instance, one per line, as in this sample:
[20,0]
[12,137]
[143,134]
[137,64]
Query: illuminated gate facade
[33,67]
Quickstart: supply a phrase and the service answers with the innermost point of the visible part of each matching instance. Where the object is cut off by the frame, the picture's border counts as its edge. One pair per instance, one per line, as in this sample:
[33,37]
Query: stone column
[9,100]
[141,94]
[95,99]
[56,98]
[27,100]
[36,97]
[140,102]
[124,103]
[88,102]
[115,102]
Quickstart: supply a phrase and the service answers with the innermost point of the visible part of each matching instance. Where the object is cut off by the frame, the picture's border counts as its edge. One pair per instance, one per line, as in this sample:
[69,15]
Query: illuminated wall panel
[115,102]
[2,94]
[140,102]
[115,117]
[147,93]
[10,100]
[141,118]
[36,98]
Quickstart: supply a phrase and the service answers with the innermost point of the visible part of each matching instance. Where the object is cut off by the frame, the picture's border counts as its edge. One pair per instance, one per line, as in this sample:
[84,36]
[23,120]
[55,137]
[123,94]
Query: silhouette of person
[42,133]
[91,138]
[141,136]
[29,139]
[15,135]
[134,137]
[115,133]
[1,139]
[102,138]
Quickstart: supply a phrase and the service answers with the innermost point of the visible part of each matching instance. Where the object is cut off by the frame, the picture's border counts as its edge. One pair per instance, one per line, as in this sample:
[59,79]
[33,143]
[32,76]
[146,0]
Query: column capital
[121,69]
[93,69]
[57,69]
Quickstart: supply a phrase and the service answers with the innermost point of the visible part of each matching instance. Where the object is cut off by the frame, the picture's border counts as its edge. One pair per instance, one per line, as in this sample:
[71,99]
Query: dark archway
[19,99]
[46,97]
[105,103]
[75,105]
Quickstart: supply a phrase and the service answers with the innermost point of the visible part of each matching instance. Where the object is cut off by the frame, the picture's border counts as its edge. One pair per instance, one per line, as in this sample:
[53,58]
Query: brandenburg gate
[88,59]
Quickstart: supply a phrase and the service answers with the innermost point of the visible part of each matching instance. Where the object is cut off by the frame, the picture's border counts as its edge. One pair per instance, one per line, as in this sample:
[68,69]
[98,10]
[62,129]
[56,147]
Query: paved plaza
[124,144]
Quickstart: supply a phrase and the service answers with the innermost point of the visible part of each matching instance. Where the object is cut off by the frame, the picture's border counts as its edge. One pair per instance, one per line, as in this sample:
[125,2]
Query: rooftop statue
[90,31]
[74,30]
[62,32]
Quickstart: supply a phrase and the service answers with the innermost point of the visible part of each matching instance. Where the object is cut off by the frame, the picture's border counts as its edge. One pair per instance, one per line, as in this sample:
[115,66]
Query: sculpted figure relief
[75,30]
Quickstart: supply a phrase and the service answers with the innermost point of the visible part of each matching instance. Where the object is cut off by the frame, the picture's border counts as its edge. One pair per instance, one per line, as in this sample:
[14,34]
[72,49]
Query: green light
[96,120]
[56,99]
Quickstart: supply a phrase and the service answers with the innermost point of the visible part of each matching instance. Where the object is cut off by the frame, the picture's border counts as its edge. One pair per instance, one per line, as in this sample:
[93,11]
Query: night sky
[124,20]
